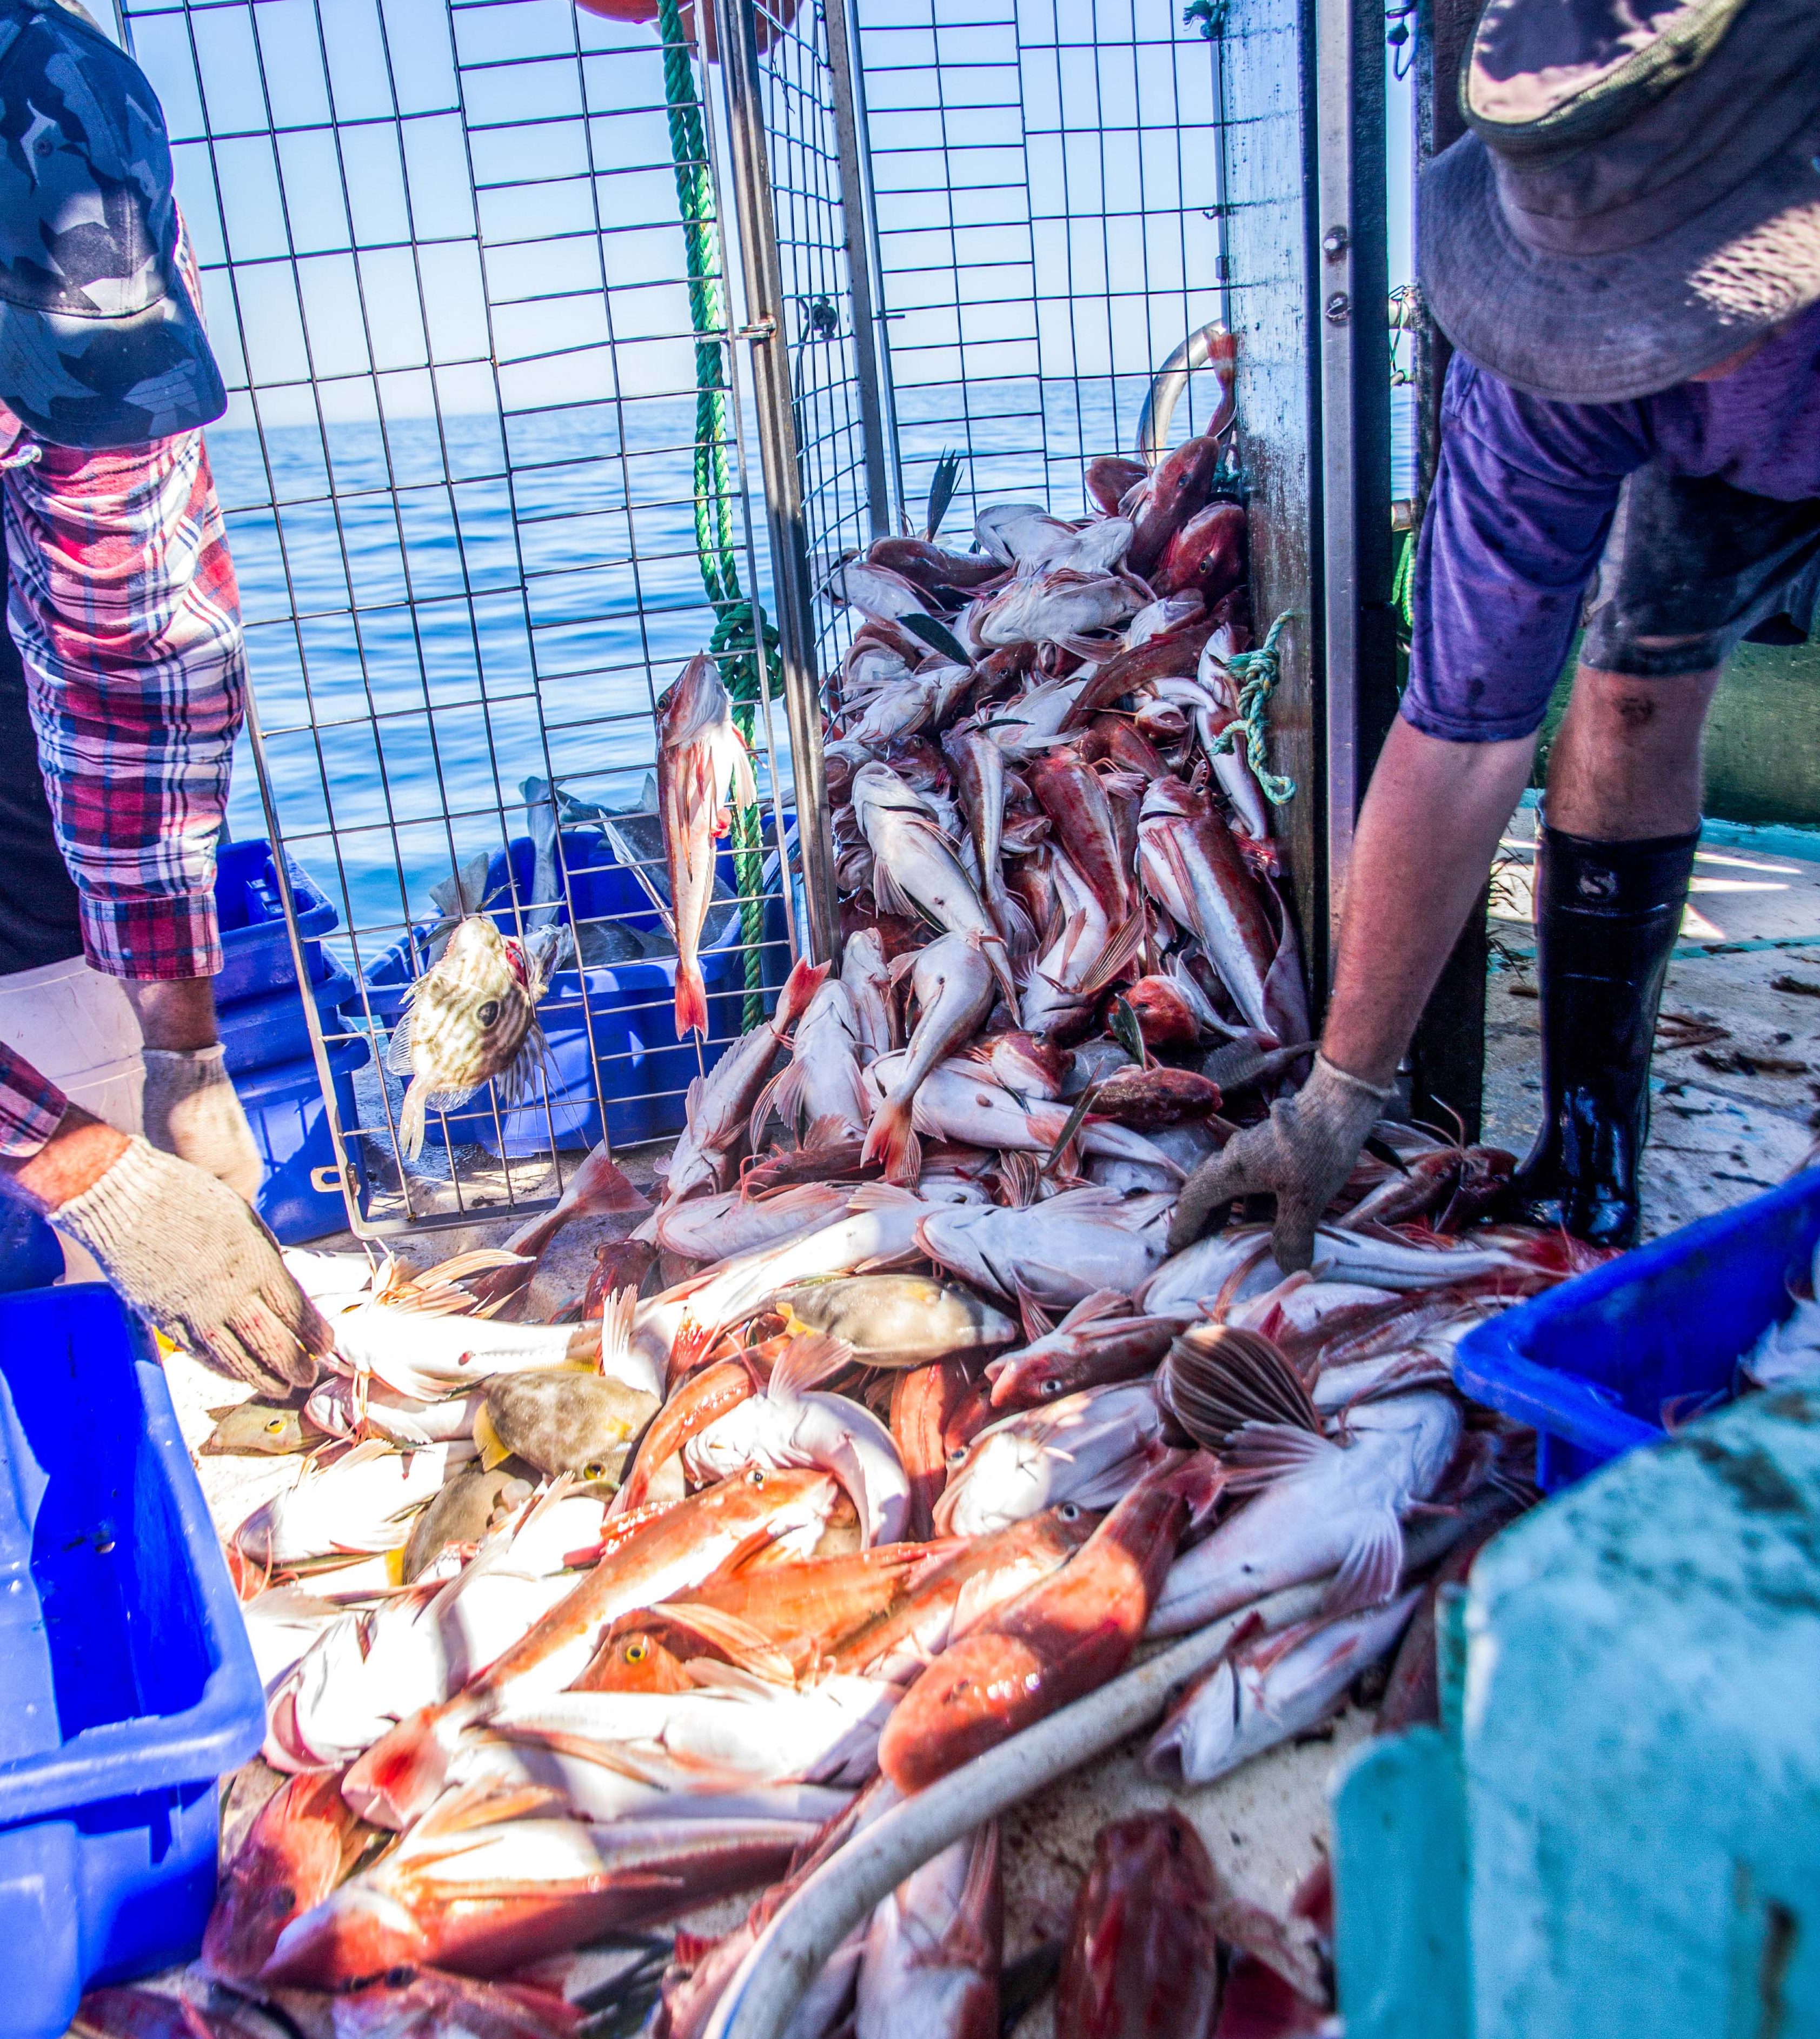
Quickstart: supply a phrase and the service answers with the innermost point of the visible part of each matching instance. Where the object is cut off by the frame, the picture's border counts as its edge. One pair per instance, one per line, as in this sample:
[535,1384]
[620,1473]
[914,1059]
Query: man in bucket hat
[122,688]
[1624,249]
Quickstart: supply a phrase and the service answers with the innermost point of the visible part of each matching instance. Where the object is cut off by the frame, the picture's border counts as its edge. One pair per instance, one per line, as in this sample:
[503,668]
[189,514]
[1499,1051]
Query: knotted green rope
[1257,674]
[732,642]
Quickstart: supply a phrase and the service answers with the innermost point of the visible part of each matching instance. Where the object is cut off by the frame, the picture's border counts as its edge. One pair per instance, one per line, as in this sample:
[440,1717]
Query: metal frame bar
[737,23]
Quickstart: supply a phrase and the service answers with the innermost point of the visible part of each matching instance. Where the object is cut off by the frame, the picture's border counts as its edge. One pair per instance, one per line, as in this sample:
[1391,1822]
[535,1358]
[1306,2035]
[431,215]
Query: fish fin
[1218,1378]
[1368,1577]
[691,999]
[826,1131]
[749,1649]
[1090,1309]
[398,1048]
[892,1138]
[1014,923]
[487,1440]
[888,894]
[711,1674]
[1037,1322]
[879,1196]
[745,782]
[618,1313]
[1260,1453]
[692,1344]
[806,979]
[1123,946]
[401,1776]
[768,1100]
[807,1362]
[900,966]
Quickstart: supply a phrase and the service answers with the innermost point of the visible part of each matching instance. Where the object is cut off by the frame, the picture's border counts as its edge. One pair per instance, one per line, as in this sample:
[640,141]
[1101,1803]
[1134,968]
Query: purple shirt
[1523,498]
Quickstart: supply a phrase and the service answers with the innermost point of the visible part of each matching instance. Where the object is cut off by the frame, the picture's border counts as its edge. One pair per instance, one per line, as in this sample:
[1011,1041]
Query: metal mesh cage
[532,320]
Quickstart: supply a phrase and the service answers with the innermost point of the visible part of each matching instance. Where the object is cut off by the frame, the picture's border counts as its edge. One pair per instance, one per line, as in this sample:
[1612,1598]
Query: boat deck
[1737,1079]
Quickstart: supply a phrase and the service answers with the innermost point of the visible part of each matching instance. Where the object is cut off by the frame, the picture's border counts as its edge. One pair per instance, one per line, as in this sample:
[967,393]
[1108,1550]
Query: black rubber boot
[1607,914]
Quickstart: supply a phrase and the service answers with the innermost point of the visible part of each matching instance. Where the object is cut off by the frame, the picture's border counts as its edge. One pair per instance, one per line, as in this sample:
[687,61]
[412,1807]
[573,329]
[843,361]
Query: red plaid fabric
[30,1106]
[124,605]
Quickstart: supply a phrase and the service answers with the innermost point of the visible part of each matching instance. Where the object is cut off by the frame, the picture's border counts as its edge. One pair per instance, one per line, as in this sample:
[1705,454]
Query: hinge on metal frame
[761,328]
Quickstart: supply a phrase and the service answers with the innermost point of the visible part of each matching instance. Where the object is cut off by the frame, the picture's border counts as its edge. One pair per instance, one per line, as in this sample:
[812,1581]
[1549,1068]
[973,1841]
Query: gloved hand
[1301,1154]
[192,1110]
[187,1253]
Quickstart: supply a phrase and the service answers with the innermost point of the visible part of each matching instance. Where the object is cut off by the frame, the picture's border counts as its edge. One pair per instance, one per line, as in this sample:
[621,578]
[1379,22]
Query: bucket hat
[1637,196]
[100,344]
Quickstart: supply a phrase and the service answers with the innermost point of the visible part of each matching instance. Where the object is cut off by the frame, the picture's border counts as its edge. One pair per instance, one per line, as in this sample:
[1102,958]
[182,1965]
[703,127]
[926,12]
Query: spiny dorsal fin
[1217,1379]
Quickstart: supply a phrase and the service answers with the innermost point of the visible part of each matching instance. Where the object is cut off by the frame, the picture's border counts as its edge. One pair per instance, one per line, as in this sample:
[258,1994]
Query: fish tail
[402,1775]
[892,1139]
[411,1120]
[691,999]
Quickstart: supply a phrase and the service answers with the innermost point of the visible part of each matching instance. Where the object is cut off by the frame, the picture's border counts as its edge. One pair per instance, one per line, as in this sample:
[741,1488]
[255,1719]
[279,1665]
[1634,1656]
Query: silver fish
[1060,1251]
[953,986]
[867,976]
[934,1947]
[1278,1687]
[472,1019]
[915,867]
[699,751]
[820,1093]
[719,1103]
[1329,1507]
[978,766]
[1087,1448]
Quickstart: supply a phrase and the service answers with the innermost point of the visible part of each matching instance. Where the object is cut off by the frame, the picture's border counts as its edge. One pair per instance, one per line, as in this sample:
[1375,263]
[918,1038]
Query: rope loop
[1257,673]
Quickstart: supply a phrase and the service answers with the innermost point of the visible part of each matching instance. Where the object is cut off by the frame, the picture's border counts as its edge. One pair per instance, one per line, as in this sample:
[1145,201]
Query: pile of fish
[891,1426]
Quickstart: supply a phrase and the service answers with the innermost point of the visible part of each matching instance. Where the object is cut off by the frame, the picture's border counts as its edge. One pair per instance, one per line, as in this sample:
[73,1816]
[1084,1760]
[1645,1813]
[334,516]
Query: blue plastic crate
[1591,1364]
[258,1032]
[30,1257]
[300,1197]
[630,1012]
[256,950]
[127,1687]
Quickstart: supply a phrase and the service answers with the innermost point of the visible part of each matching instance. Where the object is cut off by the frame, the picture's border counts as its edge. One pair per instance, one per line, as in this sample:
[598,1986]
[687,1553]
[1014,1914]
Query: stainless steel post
[1333,296]
[771,399]
[843,66]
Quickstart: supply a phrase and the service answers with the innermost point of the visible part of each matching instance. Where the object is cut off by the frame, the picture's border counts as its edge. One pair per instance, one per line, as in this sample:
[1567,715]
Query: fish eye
[1050,1389]
[1070,1512]
[635,1652]
[955,1456]
[756,1476]
[488,1013]
[593,1469]
[275,1425]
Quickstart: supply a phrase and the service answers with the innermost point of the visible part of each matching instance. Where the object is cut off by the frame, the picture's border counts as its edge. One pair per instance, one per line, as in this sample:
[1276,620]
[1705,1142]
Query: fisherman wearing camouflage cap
[122,687]
[1624,250]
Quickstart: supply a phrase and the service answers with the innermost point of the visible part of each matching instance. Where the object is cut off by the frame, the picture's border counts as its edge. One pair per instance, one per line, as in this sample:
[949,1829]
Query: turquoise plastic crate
[127,1687]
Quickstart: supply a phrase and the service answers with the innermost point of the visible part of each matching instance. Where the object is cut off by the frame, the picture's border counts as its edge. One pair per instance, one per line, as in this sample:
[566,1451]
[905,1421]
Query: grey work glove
[1301,1154]
[189,1255]
[192,1111]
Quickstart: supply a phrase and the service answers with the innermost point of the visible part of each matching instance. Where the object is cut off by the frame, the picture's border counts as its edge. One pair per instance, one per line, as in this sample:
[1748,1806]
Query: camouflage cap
[100,343]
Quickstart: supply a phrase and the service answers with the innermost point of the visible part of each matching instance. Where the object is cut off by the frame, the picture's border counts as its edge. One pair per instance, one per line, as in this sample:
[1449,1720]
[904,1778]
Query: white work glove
[189,1255]
[1301,1154]
[192,1110]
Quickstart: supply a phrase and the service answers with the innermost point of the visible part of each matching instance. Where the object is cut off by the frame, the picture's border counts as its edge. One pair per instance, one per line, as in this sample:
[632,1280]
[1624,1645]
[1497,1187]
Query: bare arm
[1430,824]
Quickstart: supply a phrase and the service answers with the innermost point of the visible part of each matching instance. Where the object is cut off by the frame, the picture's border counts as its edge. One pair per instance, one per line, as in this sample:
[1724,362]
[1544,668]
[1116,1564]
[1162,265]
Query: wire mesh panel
[1065,191]
[1048,178]
[483,479]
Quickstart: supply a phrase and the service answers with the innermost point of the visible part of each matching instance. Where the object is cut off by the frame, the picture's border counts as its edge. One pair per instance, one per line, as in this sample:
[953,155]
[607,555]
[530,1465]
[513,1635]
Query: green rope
[732,644]
[1402,587]
[1257,674]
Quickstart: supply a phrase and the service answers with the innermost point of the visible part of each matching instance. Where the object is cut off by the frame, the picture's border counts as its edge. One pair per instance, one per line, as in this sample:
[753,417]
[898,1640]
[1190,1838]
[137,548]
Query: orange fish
[1060,1640]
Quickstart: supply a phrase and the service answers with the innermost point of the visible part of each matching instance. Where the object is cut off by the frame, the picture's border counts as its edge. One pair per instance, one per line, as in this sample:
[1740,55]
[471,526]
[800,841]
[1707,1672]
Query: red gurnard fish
[1142,1957]
[699,751]
[297,1850]
[1059,1640]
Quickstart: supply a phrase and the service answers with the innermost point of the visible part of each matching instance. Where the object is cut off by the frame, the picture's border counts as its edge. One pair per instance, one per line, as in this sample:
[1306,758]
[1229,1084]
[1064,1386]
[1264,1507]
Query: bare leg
[176,1013]
[1626,764]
